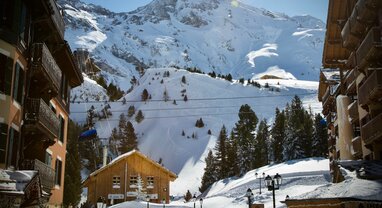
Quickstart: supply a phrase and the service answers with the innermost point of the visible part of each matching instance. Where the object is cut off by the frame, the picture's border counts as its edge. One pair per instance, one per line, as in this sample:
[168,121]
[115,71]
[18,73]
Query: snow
[275,71]
[268,50]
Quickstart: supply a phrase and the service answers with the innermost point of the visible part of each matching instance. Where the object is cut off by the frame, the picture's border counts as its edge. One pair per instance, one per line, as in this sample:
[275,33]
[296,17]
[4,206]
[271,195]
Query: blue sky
[316,8]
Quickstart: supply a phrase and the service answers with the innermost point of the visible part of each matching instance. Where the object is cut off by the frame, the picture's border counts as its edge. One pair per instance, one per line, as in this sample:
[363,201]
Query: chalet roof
[128,154]
[334,55]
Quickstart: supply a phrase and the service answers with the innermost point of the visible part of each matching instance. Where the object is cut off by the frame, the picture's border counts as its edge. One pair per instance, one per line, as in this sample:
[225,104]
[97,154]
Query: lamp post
[249,194]
[164,203]
[260,178]
[273,184]
[201,202]
[194,197]
[104,202]
[148,201]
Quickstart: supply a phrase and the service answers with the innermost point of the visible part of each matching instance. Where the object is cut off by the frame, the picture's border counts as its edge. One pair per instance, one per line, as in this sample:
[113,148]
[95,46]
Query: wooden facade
[353,105]
[39,71]
[117,181]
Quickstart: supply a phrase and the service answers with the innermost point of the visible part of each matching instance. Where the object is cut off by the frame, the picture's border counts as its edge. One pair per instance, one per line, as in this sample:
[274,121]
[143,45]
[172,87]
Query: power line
[196,99]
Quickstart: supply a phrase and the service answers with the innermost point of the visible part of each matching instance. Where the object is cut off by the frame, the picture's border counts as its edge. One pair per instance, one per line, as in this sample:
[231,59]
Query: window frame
[133,184]
[58,172]
[116,181]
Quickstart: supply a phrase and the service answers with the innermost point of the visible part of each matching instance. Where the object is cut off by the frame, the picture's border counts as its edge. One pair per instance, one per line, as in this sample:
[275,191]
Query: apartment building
[39,71]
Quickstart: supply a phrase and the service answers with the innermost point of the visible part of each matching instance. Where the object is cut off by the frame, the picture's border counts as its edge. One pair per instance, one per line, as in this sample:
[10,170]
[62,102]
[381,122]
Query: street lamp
[194,200]
[104,202]
[249,194]
[260,178]
[99,202]
[148,201]
[273,184]
[201,202]
[164,202]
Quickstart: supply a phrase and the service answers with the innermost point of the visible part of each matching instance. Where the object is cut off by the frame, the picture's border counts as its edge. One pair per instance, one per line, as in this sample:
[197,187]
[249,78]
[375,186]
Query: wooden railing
[357,146]
[370,49]
[57,17]
[371,89]
[42,59]
[353,111]
[372,130]
[350,78]
[327,101]
[45,172]
[37,112]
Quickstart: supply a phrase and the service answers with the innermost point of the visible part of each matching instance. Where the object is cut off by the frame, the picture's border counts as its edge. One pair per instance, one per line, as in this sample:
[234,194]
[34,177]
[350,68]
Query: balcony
[39,118]
[351,63]
[357,147]
[353,111]
[370,50]
[55,16]
[350,79]
[45,172]
[46,73]
[327,101]
[372,131]
[371,89]
[366,11]
[331,142]
[350,39]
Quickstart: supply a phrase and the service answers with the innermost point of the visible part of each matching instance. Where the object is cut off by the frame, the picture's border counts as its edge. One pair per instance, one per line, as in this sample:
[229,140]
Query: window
[133,181]
[116,182]
[6,68]
[64,89]
[52,107]
[13,145]
[58,169]
[18,85]
[150,182]
[3,141]
[62,129]
[7,10]
[48,159]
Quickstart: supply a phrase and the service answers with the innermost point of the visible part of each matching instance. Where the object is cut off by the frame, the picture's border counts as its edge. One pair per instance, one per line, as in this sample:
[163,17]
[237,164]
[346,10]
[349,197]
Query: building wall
[58,151]
[102,183]
[11,110]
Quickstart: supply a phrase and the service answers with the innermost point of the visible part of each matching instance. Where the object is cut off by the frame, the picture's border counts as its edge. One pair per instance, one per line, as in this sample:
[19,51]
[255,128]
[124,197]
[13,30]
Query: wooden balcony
[353,111]
[46,75]
[371,89]
[370,50]
[350,40]
[56,17]
[367,11]
[350,80]
[40,119]
[372,131]
[351,63]
[327,101]
[331,142]
[357,147]
[45,172]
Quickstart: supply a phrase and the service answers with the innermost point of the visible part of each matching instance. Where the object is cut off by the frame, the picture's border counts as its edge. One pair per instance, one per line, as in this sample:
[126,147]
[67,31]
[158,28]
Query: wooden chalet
[39,71]
[352,104]
[118,181]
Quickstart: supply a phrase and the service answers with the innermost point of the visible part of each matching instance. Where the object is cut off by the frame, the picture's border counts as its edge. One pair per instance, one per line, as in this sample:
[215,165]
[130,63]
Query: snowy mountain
[213,35]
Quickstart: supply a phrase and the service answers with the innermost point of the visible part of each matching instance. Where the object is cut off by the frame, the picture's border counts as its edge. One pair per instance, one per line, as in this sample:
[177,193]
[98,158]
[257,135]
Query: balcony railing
[327,101]
[56,17]
[372,131]
[351,63]
[367,11]
[371,89]
[350,78]
[45,172]
[38,115]
[43,60]
[350,39]
[357,147]
[370,49]
[353,111]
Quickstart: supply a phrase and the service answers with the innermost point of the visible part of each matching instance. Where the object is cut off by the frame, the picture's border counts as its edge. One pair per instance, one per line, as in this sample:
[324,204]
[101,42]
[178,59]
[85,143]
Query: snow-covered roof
[15,181]
[127,154]
[331,75]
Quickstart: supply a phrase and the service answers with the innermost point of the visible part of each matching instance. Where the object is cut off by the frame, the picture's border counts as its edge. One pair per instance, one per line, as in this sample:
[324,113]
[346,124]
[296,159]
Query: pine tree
[261,145]
[129,139]
[131,111]
[209,176]
[320,137]
[188,196]
[114,141]
[244,129]
[183,134]
[139,117]
[221,153]
[166,97]
[307,141]
[184,80]
[232,157]
[72,191]
[185,98]
[278,135]
[145,95]
[141,189]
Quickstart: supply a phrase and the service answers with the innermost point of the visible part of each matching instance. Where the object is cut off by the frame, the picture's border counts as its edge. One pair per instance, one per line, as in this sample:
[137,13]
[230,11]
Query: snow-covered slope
[212,35]
[215,100]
